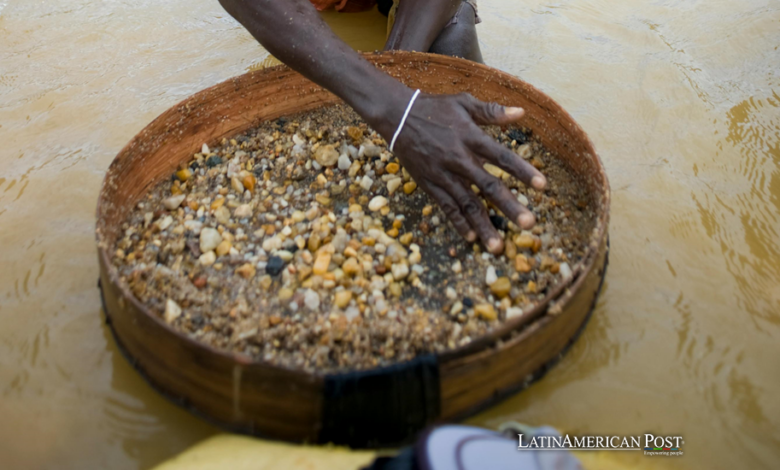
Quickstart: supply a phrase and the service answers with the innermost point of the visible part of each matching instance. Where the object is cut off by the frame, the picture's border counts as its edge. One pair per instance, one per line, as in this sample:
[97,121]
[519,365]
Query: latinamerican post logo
[649,444]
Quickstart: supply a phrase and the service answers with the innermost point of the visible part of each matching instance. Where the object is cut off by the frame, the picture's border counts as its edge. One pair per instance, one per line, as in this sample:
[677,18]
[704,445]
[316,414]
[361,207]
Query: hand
[444,150]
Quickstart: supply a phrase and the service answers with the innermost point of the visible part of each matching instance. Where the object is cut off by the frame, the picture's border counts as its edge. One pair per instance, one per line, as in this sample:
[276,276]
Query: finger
[494,190]
[486,114]
[471,206]
[452,211]
[507,160]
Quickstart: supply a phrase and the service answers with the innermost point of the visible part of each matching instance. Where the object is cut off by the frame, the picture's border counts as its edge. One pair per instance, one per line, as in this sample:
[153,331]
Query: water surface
[681,98]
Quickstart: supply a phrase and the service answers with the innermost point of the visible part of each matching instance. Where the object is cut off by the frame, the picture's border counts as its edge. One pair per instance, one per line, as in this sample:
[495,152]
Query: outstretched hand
[443,148]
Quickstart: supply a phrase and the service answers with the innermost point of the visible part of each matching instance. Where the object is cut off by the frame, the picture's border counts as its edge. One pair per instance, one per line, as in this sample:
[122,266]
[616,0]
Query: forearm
[293,32]
[419,22]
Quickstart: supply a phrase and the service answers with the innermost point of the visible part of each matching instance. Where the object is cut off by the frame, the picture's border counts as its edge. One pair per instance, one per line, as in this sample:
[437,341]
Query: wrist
[386,108]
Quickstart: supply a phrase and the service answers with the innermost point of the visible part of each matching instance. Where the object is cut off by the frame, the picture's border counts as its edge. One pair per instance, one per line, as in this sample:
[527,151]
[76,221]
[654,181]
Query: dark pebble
[467,302]
[213,161]
[518,135]
[500,223]
[274,266]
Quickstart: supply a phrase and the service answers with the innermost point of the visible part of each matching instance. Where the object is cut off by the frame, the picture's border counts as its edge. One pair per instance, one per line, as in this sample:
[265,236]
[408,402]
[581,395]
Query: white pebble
[311,299]
[393,185]
[491,277]
[172,311]
[209,239]
[243,211]
[565,270]
[366,183]
[222,215]
[173,202]
[377,203]
[512,312]
[351,313]
[344,162]
[165,222]
[204,149]
[522,199]
[400,271]
[451,293]
[207,259]
[457,267]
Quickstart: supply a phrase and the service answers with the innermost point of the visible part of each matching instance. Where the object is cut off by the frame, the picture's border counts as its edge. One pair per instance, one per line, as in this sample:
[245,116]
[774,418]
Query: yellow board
[232,452]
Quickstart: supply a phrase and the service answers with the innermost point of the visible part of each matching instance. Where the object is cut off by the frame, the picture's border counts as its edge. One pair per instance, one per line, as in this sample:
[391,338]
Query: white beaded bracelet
[403,119]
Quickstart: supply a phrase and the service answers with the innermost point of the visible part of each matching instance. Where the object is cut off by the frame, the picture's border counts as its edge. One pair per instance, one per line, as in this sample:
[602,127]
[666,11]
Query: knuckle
[471,207]
[492,187]
[505,160]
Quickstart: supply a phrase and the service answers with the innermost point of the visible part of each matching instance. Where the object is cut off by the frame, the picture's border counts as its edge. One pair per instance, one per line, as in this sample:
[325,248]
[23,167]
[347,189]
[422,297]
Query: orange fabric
[344,6]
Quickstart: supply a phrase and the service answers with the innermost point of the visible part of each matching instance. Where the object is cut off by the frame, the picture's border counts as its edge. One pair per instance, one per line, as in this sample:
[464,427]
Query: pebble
[524,240]
[321,263]
[222,215]
[522,199]
[342,298]
[490,276]
[274,265]
[244,211]
[392,168]
[165,222]
[485,311]
[172,311]
[451,293]
[311,299]
[246,270]
[208,258]
[344,162]
[224,248]
[410,187]
[184,174]
[565,270]
[371,150]
[457,307]
[500,288]
[237,185]
[521,264]
[512,312]
[457,267]
[173,202]
[400,271]
[377,203]
[366,183]
[393,185]
[326,155]
[351,313]
[210,238]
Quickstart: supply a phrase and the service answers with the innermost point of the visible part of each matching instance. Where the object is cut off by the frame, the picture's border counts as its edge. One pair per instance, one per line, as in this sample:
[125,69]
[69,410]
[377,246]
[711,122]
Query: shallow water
[682,100]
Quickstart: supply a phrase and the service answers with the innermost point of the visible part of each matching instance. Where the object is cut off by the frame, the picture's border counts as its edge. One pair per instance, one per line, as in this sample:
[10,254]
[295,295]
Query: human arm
[441,145]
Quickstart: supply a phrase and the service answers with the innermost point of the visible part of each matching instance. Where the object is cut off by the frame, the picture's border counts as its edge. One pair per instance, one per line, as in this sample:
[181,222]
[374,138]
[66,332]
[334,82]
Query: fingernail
[538,182]
[526,220]
[494,244]
[513,112]
[471,236]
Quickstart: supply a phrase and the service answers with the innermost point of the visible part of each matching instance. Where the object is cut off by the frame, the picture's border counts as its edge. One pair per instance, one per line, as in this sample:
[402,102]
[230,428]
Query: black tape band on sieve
[381,407]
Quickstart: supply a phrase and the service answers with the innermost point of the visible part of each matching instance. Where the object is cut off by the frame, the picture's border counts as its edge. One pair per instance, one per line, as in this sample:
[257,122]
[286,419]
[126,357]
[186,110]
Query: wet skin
[441,145]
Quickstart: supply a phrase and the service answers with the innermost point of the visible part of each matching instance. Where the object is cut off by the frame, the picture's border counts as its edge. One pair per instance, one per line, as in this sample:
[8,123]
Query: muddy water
[682,99]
